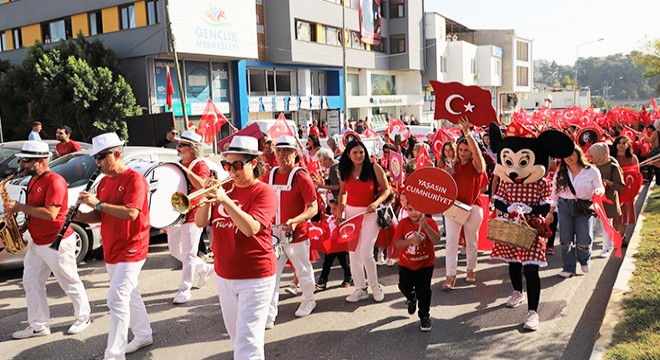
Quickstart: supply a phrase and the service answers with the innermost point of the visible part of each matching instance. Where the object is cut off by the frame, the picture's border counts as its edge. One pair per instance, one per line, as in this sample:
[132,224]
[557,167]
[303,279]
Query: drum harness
[278,232]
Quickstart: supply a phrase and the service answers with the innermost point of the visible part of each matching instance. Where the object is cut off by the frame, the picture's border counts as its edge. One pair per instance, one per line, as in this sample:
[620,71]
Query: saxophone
[10,233]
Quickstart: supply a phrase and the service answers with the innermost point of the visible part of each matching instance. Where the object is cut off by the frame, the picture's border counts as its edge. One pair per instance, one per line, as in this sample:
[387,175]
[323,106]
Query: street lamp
[606,89]
[577,60]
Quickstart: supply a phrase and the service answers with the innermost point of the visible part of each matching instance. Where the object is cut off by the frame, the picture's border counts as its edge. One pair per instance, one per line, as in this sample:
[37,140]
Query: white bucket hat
[105,141]
[34,149]
[286,142]
[190,137]
[246,145]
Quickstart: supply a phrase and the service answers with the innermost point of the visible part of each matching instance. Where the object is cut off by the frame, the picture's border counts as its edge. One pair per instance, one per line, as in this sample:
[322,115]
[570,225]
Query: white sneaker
[532,322]
[604,253]
[306,308]
[585,268]
[378,293]
[565,274]
[390,262]
[29,332]
[182,297]
[137,344]
[78,326]
[270,325]
[204,275]
[516,299]
[292,289]
[381,258]
[357,295]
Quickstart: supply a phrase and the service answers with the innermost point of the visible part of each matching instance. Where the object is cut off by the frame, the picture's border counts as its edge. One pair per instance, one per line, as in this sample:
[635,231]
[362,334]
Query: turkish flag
[439,139]
[630,133]
[169,90]
[396,167]
[211,122]
[572,115]
[345,236]
[280,128]
[607,227]
[397,127]
[454,100]
[656,112]
[633,179]
[313,166]
[319,233]
[423,158]
[370,134]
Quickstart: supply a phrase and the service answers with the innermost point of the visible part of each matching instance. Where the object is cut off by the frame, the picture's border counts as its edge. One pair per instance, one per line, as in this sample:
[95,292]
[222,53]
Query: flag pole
[182,93]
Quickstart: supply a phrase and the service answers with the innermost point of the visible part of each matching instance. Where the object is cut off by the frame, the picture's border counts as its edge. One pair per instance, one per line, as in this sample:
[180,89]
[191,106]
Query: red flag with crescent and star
[423,157]
[656,112]
[439,139]
[280,128]
[319,234]
[454,100]
[397,127]
[607,226]
[633,179]
[346,235]
[370,134]
[211,122]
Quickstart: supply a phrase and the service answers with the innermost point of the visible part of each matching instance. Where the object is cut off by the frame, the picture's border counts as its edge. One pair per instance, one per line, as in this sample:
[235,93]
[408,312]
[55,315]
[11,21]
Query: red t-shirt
[124,240]
[469,182]
[45,190]
[359,193]
[67,147]
[202,170]
[314,130]
[292,203]
[420,256]
[236,255]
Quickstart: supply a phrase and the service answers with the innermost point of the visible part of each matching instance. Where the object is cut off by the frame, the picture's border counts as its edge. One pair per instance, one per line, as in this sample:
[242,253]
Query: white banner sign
[280,103]
[293,103]
[267,102]
[254,104]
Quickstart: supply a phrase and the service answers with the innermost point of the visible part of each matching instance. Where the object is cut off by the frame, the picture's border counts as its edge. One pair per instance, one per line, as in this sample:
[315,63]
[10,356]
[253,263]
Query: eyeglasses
[101,156]
[27,160]
[237,165]
[183,145]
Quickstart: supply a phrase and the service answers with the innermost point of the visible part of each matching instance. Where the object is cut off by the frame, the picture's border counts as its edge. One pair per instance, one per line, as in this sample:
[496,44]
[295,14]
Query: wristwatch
[98,206]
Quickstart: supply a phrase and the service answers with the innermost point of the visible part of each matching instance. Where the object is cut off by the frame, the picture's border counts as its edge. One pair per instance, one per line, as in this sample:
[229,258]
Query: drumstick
[652,159]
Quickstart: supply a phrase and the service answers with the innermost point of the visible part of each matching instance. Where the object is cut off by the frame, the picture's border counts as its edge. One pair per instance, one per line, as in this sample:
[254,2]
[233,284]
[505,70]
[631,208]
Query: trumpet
[182,202]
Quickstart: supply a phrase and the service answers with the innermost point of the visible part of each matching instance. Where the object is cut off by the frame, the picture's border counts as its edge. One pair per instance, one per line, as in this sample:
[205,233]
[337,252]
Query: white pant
[298,253]
[183,241]
[126,307]
[244,305]
[607,241]
[38,263]
[363,257]
[471,228]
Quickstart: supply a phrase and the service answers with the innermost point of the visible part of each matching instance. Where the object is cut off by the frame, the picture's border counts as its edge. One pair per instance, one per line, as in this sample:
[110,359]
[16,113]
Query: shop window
[18,38]
[398,44]
[95,23]
[55,31]
[397,9]
[283,82]
[127,16]
[153,12]
[257,82]
[353,84]
[522,76]
[3,42]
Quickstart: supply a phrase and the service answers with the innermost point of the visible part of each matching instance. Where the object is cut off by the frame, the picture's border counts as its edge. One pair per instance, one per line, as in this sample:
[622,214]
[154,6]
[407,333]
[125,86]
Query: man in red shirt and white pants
[183,239]
[122,208]
[46,206]
[296,196]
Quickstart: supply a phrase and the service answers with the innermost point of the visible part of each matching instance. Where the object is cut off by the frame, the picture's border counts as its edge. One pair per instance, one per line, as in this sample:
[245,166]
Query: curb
[614,310]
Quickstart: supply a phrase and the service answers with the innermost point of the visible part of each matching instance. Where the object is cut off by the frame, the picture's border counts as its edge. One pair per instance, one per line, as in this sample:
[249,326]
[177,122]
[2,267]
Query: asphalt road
[469,322]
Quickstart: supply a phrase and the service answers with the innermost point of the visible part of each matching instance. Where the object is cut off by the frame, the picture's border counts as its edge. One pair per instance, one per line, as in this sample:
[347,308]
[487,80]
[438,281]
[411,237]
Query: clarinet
[56,244]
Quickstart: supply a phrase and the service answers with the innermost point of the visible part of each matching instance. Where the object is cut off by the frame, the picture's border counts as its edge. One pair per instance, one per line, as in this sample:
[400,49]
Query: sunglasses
[237,165]
[27,160]
[183,145]
[101,156]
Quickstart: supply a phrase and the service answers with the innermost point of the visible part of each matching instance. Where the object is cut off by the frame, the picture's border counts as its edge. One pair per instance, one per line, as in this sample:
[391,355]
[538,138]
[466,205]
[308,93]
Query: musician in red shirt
[65,145]
[245,263]
[122,208]
[46,209]
[183,239]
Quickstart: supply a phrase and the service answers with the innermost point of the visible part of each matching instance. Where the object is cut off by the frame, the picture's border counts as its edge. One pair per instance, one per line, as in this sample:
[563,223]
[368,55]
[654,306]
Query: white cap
[105,141]
[246,145]
[191,137]
[34,149]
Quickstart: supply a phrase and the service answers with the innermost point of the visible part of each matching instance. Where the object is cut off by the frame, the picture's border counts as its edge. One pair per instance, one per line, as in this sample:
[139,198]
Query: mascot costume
[523,191]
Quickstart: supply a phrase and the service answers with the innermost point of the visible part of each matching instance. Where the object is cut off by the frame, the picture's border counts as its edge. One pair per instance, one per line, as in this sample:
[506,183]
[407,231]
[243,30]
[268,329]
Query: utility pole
[182,94]
[345,38]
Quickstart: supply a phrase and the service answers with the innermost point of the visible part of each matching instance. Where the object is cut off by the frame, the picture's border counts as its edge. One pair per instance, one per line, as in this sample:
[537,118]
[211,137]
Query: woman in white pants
[470,176]
[362,188]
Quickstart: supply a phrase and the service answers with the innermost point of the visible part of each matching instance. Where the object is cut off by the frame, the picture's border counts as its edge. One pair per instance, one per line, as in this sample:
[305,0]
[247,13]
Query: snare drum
[163,179]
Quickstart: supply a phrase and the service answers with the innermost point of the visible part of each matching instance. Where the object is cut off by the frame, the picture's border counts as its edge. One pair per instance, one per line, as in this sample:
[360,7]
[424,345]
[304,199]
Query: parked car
[9,162]
[77,169]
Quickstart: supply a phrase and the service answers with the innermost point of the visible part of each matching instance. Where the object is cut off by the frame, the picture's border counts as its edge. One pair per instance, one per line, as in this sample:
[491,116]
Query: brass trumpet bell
[182,202]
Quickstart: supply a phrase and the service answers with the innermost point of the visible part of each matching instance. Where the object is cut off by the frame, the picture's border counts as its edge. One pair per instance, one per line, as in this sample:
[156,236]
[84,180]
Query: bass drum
[163,179]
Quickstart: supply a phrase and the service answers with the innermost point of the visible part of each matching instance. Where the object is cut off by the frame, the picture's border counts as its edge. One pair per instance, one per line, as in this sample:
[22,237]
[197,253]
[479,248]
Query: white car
[77,169]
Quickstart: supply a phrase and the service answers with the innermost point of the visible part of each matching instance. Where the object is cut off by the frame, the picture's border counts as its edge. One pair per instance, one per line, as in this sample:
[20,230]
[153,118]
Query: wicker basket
[458,212]
[515,234]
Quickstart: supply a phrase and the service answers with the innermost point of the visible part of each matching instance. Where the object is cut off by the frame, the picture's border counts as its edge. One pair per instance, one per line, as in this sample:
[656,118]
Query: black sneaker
[321,286]
[347,283]
[425,324]
[412,305]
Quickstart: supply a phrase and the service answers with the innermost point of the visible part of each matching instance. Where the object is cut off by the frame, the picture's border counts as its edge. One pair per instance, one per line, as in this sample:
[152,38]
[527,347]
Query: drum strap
[191,166]
[280,188]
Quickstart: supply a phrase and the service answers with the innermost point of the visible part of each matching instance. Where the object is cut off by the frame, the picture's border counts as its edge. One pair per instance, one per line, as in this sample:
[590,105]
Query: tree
[649,59]
[76,83]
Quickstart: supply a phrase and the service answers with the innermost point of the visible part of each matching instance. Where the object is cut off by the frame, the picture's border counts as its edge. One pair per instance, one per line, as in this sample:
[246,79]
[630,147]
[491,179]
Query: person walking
[46,208]
[122,208]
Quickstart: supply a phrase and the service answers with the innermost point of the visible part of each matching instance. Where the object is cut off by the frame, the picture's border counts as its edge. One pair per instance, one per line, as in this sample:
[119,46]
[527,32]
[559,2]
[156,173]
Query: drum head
[163,179]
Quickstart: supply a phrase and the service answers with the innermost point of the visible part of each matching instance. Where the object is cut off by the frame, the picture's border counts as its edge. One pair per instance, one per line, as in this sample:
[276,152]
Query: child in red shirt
[417,234]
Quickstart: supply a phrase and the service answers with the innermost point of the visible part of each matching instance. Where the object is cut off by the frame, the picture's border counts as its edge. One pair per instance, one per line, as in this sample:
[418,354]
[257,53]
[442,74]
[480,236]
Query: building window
[153,12]
[397,44]
[397,9]
[381,45]
[283,81]
[305,31]
[356,43]
[3,41]
[443,64]
[353,84]
[127,15]
[95,23]
[55,31]
[522,76]
[331,36]
[18,38]
[318,83]
[522,51]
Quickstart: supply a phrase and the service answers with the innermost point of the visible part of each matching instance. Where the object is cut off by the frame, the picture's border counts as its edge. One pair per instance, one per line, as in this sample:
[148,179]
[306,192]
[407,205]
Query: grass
[637,335]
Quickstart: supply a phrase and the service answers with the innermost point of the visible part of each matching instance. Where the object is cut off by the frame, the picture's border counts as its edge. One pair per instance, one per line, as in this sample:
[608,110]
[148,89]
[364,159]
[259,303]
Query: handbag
[385,215]
[458,212]
[581,207]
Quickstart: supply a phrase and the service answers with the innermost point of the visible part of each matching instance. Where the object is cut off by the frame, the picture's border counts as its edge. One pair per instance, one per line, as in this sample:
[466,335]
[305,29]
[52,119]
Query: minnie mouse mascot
[523,191]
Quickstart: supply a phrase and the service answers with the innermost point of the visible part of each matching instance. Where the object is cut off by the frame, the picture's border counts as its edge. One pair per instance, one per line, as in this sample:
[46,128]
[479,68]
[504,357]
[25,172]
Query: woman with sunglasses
[245,264]
[362,188]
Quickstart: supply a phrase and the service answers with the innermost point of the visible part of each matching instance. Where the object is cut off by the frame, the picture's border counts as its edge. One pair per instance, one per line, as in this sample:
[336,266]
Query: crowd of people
[261,221]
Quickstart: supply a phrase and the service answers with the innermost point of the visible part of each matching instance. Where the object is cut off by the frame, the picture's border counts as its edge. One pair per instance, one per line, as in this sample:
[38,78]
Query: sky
[557,27]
